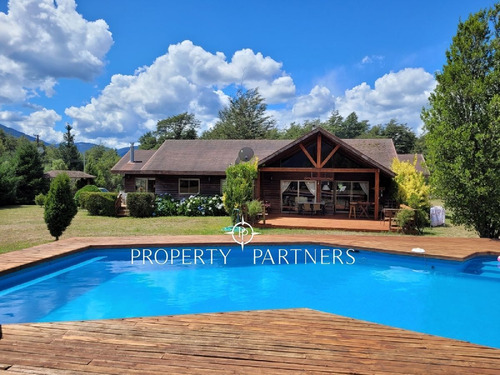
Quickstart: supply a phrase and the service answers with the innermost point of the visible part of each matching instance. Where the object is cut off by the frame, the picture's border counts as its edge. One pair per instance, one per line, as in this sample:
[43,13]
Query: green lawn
[23,226]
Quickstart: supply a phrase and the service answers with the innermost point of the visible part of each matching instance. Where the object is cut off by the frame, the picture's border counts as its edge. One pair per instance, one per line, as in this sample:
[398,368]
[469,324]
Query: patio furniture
[389,214]
[363,208]
[306,207]
[353,207]
[318,207]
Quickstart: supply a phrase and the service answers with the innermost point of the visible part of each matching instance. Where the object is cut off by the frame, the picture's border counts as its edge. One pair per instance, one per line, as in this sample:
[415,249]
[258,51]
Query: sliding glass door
[295,192]
[349,191]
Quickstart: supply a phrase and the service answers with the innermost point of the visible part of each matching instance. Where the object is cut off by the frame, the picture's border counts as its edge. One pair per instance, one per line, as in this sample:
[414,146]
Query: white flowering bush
[195,205]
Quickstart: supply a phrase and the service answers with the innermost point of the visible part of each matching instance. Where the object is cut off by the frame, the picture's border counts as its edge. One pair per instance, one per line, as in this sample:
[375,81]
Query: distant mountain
[122,151]
[81,146]
[84,146]
[17,134]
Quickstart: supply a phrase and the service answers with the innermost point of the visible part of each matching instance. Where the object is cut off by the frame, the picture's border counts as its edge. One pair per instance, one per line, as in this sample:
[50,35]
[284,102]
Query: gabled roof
[71,174]
[197,156]
[378,153]
[420,166]
[212,157]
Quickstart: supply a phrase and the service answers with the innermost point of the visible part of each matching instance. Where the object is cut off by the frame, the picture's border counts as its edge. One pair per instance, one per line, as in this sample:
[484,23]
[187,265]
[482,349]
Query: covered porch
[327,180]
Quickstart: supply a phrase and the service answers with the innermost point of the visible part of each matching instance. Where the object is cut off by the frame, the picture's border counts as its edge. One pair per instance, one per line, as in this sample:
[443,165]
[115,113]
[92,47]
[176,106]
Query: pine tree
[60,207]
[28,172]
[69,152]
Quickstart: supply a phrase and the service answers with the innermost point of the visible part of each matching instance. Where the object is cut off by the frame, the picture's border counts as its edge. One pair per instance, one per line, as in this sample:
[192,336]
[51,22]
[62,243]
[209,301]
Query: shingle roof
[381,150]
[71,174]
[214,156]
[420,166]
[141,157]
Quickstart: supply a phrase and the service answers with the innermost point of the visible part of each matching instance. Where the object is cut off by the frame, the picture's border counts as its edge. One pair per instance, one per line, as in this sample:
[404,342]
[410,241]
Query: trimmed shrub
[40,199]
[254,208]
[412,221]
[239,186]
[86,188]
[141,204]
[100,204]
[60,207]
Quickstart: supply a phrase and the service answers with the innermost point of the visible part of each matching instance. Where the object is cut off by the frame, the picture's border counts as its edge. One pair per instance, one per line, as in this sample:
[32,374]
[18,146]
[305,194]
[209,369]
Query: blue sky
[114,68]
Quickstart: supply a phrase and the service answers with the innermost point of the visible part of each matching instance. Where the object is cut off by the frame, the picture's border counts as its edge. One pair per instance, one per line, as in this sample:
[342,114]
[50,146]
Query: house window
[189,186]
[143,185]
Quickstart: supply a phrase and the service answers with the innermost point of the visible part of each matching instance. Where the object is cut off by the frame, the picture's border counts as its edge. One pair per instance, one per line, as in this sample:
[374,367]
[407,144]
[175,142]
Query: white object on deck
[418,250]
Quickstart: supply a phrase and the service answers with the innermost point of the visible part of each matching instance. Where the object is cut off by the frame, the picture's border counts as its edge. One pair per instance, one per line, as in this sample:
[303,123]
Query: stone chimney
[132,156]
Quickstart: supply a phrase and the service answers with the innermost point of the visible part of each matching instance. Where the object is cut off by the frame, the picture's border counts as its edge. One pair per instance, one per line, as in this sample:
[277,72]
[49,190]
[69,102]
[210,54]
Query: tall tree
[29,172]
[183,126]
[99,161]
[69,152]
[402,135]
[148,141]
[350,127]
[463,124]
[244,118]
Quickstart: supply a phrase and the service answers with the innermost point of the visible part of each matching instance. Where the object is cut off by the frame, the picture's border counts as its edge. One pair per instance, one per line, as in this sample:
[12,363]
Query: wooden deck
[260,342]
[337,222]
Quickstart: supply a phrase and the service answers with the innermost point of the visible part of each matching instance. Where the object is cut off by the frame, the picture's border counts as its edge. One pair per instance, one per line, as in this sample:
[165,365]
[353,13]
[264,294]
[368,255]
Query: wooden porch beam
[308,155]
[257,187]
[318,151]
[330,155]
[324,170]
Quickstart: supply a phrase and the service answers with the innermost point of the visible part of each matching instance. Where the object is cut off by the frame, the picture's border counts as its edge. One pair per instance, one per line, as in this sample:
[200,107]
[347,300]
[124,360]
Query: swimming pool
[446,298]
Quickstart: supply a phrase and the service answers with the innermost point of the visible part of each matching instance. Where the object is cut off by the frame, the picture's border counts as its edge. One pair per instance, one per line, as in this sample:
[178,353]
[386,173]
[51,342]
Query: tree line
[23,164]
[245,118]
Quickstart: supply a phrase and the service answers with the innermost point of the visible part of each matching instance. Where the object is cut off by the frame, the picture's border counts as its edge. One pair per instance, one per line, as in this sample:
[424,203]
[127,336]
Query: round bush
[86,188]
[100,204]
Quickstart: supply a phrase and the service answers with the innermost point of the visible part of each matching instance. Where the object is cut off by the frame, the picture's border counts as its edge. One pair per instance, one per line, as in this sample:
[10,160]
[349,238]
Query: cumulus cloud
[318,103]
[40,122]
[43,40]
[186,78]
[399,95]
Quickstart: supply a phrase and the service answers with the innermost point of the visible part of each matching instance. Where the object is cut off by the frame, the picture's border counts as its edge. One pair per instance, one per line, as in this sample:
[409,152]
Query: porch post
[257,186]
[377,190]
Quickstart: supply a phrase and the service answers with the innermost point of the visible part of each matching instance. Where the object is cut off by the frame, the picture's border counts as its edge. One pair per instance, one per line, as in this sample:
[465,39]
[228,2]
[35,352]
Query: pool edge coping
[37,254]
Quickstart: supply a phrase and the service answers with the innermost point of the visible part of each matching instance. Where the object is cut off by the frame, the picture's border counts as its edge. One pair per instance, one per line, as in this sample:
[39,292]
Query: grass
[23,226]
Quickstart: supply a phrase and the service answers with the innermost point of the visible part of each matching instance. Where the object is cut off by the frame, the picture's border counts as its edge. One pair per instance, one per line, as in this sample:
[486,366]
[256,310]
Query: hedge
[141,204]
[87,188]
[100,204]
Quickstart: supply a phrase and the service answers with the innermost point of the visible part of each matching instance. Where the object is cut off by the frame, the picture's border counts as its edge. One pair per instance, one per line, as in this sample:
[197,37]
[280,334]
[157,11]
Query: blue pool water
[453,299]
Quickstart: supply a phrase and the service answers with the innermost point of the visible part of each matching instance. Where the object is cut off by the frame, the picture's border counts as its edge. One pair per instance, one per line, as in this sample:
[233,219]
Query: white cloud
[318,103]
[186,78]
[40,122]
[43,40]
[399,95]
[371,59]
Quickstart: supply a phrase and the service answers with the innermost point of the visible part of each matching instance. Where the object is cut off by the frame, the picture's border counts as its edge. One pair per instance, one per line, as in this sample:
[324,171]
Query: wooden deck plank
[259,342]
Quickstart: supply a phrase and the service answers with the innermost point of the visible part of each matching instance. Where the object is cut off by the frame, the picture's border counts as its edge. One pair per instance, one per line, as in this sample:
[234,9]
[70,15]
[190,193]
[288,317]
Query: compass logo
[242,233]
